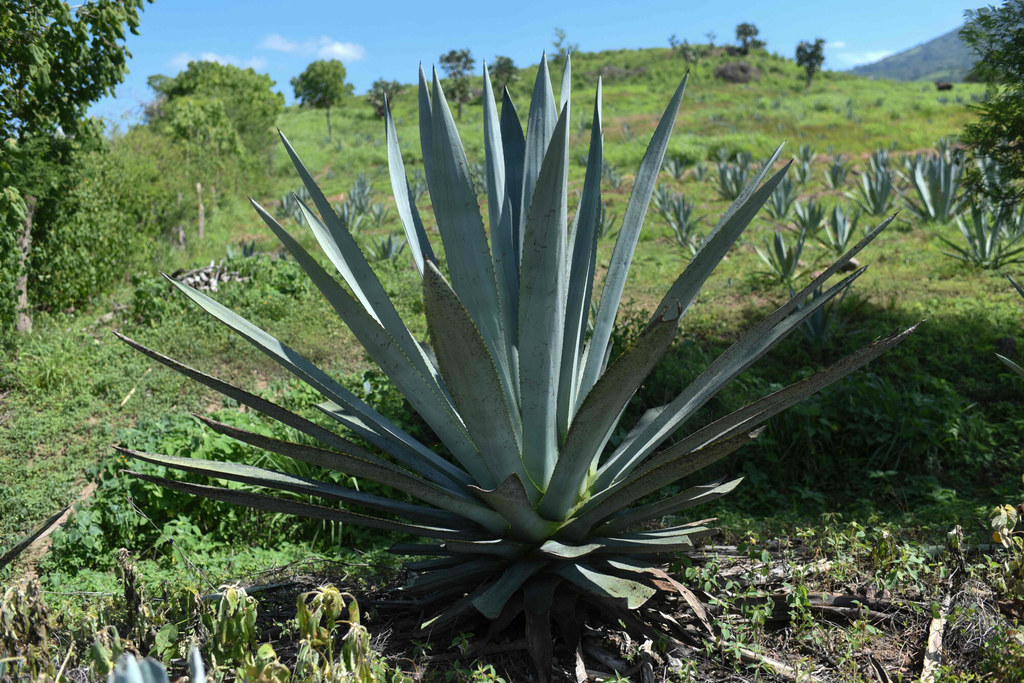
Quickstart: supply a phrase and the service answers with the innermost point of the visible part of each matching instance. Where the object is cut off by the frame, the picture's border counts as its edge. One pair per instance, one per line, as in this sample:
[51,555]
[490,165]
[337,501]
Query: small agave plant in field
[526,515]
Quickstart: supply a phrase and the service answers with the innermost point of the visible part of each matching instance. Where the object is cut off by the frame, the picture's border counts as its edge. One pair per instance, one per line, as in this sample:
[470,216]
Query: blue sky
[389,39]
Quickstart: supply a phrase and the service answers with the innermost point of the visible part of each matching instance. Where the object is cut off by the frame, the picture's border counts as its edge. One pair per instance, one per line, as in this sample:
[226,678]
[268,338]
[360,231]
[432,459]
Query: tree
[322,86]
[562,48]
[811,56]
[249,103]
[57,60]
[382,94]
[996,35]
[504,71]
[458,64]
[747,35]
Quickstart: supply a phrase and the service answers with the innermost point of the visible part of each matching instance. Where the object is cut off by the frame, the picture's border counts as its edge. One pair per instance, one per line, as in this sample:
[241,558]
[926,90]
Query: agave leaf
[371,424]
[625,245]
[583,252]
[540,126]
[413,379]
[457,609]
[473,380]
[344,253]
[741,355]
[504,249]
[513,144]
[258,476]
[542,308]
[405,204]
[596,417]
[492,601]
[618,497]
[698,495]
[271,409]
[404,449]
[753,344]
[606,585]
[452,576]
[498,547]
[426,134]
[750,416]
[431,565]
[656,544]
[640,567]
[419,549]
[563,551]
[564,93]
[512,500]
[686,287]
[357,466]
[465,241]
[19,547]
[294,507]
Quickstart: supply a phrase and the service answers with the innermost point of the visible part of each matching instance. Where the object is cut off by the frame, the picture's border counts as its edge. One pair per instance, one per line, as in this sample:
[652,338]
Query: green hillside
[945,58]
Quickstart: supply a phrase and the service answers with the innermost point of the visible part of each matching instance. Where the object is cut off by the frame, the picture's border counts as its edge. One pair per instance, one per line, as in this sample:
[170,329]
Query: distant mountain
[945,58]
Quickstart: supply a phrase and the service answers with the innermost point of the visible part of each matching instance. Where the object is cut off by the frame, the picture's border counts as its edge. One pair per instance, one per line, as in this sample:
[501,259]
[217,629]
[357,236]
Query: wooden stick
[933,655]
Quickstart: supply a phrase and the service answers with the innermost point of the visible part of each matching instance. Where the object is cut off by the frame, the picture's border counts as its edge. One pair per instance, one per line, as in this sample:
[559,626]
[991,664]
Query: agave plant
[835,174]
[803,159]
[875,193]
[781,201]
[809,217]
[988,243]
[678,213]
[839,229]
[782,257]
[936,180]
[522,509]
[385,248]
[676,166]
[733,178]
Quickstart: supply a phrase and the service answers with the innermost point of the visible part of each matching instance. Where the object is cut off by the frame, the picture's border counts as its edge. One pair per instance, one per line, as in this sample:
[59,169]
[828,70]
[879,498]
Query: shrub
[737,72]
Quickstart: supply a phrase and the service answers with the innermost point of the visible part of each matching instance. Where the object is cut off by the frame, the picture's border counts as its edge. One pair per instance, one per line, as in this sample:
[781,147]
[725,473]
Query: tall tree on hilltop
[996,35]
[322,86]
[747,35]
[811,56]
[458,64]
[57,60]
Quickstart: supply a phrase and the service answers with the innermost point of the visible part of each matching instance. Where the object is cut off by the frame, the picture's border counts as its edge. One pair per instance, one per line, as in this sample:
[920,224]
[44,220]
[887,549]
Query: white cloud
[180,61]
[322,47]
[336,50]
[275,41]
[837,44]
[851,59]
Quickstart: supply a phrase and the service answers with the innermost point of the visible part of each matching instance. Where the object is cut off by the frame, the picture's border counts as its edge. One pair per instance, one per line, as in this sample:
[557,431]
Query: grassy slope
[67,381]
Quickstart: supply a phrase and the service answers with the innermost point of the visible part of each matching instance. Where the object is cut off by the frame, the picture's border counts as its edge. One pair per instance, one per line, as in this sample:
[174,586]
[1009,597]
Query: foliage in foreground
[517,392]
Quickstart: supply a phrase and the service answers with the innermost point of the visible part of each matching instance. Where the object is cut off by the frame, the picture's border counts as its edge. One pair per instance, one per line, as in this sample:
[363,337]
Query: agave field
[620,384]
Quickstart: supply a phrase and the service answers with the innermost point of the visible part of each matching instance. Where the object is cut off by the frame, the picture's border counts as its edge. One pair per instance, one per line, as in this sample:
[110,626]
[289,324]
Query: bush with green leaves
[520,505]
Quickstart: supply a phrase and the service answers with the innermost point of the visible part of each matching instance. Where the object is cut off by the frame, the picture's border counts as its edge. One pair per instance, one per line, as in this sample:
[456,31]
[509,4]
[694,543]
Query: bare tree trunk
[202,211]
[329,136]
[23,322]
[181,227]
